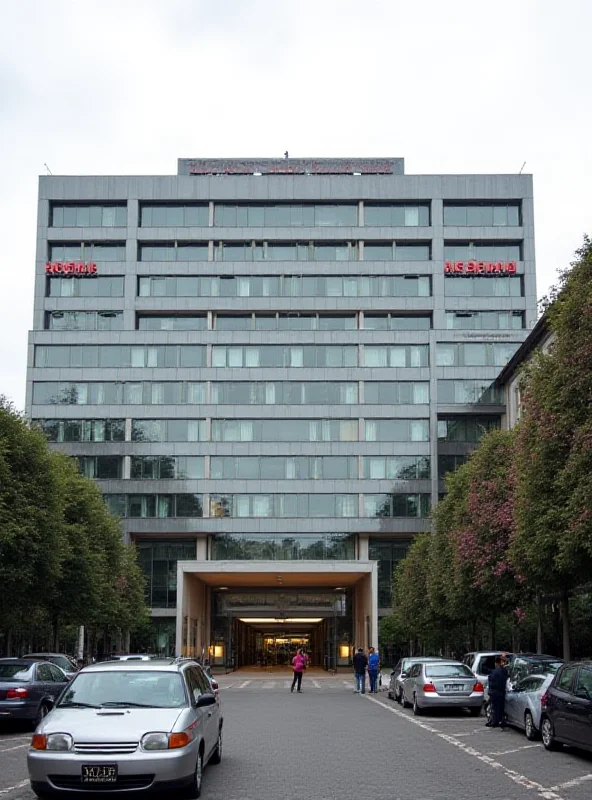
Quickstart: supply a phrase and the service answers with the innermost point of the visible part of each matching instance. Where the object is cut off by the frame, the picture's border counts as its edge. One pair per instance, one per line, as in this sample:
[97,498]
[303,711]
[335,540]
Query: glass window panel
[445,355]
[378,252]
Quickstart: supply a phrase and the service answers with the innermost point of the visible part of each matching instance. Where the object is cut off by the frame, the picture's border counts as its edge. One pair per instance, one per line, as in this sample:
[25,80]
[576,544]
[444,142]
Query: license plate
[452,687]
[99,773]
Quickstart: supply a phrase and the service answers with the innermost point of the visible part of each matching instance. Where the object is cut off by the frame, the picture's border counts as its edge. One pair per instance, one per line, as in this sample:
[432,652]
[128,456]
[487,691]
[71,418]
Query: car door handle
[210,713]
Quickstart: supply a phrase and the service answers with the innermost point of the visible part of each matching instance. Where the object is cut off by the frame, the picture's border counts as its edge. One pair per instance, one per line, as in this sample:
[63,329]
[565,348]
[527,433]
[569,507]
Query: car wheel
[216,756]
[194,789]
[489,713]
[43,712]
[416,709]
[531,732]
[400,697]
[548,735]
[475,711]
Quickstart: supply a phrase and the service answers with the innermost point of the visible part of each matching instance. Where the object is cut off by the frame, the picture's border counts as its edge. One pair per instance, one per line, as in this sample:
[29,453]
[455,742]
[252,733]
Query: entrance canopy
[271,596]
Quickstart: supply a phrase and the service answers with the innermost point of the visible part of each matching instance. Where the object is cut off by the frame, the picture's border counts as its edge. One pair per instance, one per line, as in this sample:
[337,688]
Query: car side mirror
[205,700]
[404,674]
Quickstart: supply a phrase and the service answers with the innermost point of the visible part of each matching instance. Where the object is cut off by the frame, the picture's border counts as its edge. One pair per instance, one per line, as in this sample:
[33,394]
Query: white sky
[127,86]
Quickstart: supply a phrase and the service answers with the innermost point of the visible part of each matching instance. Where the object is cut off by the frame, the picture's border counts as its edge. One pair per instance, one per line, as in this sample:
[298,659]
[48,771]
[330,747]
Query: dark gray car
[28,689]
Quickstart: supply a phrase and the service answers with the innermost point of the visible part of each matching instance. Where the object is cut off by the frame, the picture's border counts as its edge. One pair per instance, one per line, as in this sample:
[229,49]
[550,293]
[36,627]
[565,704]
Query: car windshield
[447,671]
[15,672]
[125,688]
[522,668]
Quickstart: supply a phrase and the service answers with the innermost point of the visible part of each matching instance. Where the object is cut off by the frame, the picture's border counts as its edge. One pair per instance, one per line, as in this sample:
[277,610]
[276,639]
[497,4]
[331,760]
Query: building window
[396,215]
[292,393]
[400,251]
[120,356]
[172,430]
[284,505]
[466,428]
[483,251]
[285,430]
[283,547]
[163,215]
[396,430]
[396,356]
[87,251]
[158,322]
[84,320]
[167,468]
[116,393]
[104,215]
[155,505]
[278,356]
[485,320]
[391,393]
[285,215]
[469,392]
[450,463]
[283,468]
[159,560]
[400,468]
[173,251]
[483,286]
[397,505]
[102,286]
[475,354]
[388,553]
[397,322]
[101,467]
[83,430]
[482,215]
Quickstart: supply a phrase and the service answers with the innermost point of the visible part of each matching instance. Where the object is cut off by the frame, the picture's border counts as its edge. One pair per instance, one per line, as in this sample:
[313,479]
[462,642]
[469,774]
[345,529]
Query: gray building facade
[275,361]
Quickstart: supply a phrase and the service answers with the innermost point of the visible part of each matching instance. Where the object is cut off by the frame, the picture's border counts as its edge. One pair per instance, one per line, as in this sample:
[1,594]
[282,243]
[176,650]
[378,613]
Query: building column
[363,547]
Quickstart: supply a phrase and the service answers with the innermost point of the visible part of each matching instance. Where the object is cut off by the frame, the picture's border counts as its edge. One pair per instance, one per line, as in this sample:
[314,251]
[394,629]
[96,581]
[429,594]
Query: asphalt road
[330,743]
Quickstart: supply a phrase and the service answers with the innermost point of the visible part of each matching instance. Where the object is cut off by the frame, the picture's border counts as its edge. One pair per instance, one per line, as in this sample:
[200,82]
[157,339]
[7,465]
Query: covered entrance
[241,614]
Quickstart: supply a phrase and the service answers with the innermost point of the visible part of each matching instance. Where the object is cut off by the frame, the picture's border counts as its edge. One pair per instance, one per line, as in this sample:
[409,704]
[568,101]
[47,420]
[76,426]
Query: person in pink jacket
[298,665]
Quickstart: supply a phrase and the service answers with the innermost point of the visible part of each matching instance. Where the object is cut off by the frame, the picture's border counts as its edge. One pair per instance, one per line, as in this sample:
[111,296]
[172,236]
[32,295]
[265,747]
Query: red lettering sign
[70,268]
[480,267]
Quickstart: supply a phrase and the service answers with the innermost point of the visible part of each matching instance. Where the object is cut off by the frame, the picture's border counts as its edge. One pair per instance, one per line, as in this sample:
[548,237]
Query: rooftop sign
[290,166]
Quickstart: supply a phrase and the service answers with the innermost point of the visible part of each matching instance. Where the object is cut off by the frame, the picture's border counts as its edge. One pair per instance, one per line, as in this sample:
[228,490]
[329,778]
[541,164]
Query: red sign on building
[70,268]
[480,267]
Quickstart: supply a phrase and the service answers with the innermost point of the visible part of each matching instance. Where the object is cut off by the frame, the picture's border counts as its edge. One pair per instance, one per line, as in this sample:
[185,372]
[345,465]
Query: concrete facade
[303,185]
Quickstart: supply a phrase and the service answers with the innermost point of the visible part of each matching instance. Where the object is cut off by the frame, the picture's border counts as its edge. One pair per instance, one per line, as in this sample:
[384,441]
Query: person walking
[497,683]
[373,669]
[360,663]
[298,665]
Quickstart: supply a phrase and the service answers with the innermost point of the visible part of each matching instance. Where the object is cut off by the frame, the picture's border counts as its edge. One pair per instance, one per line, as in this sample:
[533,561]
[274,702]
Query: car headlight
[155,741]
[59,741]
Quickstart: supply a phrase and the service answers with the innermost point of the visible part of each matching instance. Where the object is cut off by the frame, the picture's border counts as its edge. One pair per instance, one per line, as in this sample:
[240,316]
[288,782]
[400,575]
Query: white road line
[14,738]
[516,777]
[316,684]
[268,685]
[16,786]
[243,684]
[515,750]
[18,747]
[573,782]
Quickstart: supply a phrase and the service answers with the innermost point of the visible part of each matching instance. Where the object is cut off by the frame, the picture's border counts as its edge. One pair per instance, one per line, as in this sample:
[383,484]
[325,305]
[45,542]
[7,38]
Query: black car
[28,689]
[567,707]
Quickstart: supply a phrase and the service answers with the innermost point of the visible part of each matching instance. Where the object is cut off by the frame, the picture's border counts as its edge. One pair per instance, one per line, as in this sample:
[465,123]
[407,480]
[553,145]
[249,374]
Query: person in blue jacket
[373,669]
[497,683]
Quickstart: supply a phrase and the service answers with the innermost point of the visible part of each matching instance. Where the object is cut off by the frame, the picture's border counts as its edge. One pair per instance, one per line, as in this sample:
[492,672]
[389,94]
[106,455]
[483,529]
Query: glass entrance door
[278,651]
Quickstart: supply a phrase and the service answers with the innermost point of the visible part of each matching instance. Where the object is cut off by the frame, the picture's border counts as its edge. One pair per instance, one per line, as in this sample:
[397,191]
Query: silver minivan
[129,725]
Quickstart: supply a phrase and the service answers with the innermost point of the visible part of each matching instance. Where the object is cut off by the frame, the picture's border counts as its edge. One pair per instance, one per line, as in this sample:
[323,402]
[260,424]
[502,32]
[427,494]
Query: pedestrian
[298,665]
[497,683]
[373,669]
[360,664]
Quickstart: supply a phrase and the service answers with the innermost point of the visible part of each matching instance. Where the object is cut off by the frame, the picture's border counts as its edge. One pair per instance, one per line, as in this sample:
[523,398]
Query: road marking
[243,684]
[516,777]
[16,786]
[268,685]
[14,738]
[18,747]
[316,684]
[515,750]
[287,684]
[573,782]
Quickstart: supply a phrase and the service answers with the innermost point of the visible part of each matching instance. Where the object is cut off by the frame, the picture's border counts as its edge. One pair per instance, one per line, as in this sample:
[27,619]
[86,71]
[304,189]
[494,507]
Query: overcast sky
[126,86]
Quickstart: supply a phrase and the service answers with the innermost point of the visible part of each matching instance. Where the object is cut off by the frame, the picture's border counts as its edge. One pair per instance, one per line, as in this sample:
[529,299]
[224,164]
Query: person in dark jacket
[497,682]
[360,664]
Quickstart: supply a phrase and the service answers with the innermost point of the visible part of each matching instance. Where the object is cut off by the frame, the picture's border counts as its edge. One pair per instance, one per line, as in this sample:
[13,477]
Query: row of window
[284,214]
[263,393]
[475,354]
[270,505]
[113,321]
[390,250]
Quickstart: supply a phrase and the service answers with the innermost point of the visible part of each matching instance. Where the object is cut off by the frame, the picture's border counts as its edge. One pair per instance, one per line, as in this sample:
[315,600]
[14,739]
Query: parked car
[395,688]
[64,662]
[523,704]
[129,725]
[566,716]
[482,664]
[129,657]
[442,684]
[28,689]
[524,664]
